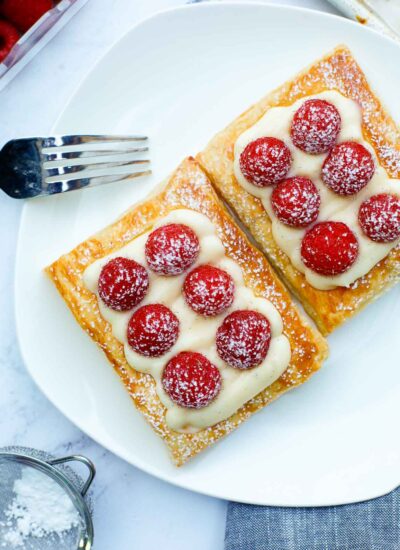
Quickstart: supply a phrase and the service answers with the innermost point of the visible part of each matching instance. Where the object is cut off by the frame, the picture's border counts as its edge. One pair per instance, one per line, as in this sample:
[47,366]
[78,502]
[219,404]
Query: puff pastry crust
[190,188]
[336,71]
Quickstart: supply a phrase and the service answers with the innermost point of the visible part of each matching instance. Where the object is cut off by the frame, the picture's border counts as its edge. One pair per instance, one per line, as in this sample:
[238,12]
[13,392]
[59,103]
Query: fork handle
[20,169]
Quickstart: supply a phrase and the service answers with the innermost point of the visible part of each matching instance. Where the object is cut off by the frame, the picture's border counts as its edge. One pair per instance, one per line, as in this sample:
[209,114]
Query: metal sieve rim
[76,495]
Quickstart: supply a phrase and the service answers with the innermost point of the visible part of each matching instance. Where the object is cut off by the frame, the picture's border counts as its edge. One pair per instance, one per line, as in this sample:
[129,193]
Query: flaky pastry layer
[190,188]
[337,71]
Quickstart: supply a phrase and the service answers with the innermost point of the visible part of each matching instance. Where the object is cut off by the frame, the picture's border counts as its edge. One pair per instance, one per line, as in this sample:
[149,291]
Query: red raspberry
[24,13]
[329,248]
[208,290]
[191,380]
[171,249]
[243,339]
[8,37]
[296,201]
[123,284]
[379,217]
[265,161]
[315,126]
[348,168]
[152,330]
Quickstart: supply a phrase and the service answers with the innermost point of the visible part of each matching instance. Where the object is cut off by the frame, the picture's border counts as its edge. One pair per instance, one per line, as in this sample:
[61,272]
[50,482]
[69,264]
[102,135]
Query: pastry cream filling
[276,123]
[197,333]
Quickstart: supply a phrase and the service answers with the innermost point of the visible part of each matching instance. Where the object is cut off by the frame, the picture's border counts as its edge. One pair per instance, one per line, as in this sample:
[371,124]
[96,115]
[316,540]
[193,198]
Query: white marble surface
[132,509]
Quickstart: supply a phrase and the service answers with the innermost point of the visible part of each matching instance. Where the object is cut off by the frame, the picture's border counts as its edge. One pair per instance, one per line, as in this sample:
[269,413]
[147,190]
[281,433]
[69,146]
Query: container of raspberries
[25,27]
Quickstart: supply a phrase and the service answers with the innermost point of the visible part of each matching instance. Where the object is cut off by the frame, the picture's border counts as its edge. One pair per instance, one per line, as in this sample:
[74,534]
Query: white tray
[180,77]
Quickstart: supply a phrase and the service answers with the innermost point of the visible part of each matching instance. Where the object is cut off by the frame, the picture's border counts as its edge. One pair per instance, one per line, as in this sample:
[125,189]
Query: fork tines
[71,162]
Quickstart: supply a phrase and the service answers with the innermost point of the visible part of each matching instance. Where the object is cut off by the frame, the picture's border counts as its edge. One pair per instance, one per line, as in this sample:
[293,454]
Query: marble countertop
[132,510]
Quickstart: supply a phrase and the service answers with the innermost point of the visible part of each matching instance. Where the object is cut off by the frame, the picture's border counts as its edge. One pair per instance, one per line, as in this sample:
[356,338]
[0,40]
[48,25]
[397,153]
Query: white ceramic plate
[179,77]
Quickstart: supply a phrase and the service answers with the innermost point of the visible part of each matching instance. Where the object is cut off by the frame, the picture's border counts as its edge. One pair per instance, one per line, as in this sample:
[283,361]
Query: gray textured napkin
[370,525]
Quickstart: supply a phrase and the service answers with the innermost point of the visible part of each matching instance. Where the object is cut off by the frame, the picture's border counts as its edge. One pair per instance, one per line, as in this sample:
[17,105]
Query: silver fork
[34,167]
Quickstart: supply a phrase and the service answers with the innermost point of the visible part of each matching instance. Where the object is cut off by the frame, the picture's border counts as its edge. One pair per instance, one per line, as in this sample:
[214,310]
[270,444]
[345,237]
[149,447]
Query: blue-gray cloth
[370,525]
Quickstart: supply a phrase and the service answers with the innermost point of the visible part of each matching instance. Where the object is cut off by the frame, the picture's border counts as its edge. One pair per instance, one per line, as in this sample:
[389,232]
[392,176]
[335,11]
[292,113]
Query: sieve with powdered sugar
[43,501]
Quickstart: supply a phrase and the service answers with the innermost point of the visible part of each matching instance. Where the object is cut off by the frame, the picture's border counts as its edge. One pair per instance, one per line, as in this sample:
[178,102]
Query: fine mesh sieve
[24,475]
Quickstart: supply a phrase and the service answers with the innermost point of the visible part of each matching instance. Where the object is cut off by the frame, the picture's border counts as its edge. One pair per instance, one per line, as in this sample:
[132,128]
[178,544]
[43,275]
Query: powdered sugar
[316,126]
[265,161]
[209,290]
[188,188]
[171,249]
[197,333]
[378,126]
[243,339]
[123,284]
[348,168]
[379,217]
[296,201]
[40,508]
[334,207]
[152,330]
[191,380]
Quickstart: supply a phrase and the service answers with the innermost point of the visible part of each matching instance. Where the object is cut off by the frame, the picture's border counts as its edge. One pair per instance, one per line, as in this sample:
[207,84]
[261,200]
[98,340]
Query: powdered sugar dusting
[378,126]
[243,339]
[296,201]
[123,284]
[316,126]
[40,508]
[197,332]
[209,290]
[379,217]
[152,330]
[191,380]
[171,249]
[353,168]
[265,161]
[348,168]
[188,188]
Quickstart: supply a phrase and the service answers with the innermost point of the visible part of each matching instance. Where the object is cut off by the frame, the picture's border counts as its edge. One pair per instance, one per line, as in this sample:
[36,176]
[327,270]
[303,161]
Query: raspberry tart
[195,322]
[324,203]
